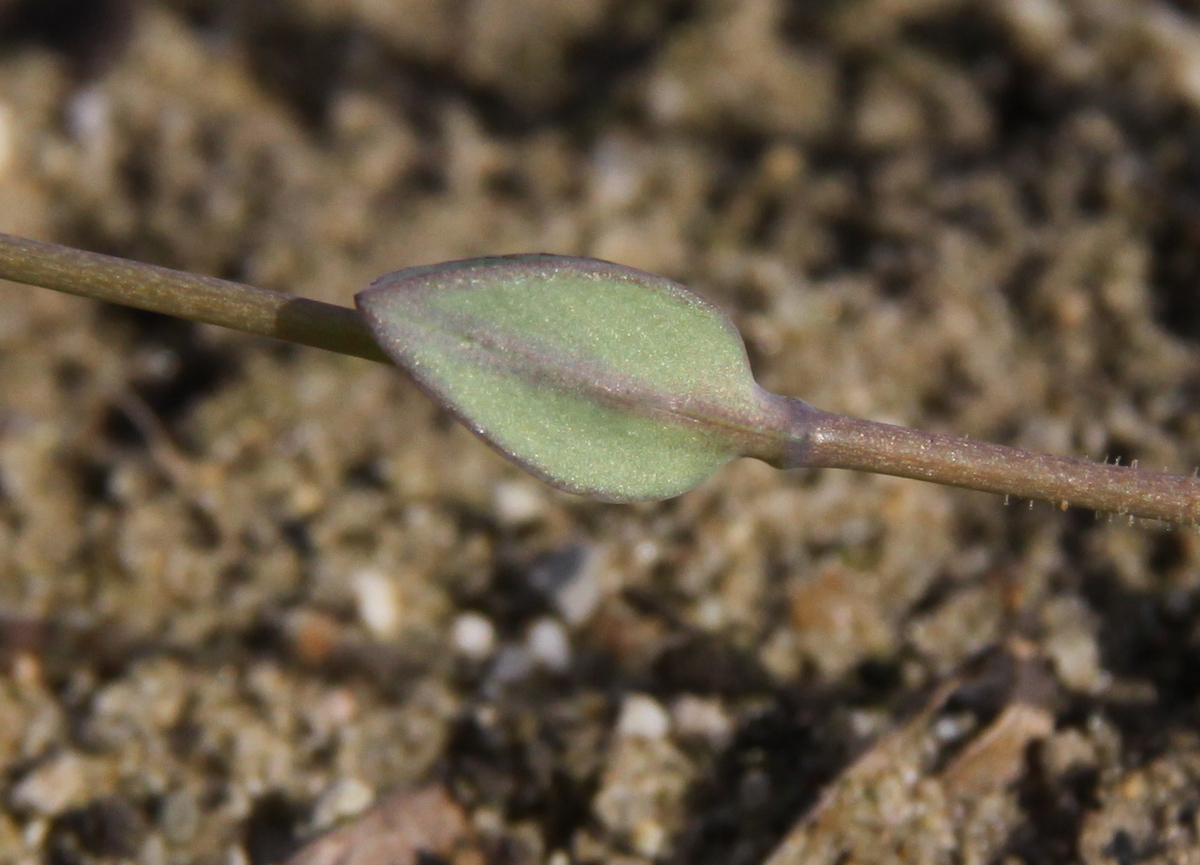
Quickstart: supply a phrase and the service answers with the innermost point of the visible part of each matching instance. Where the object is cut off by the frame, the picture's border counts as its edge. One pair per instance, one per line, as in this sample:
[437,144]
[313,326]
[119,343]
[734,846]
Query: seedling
[600,379]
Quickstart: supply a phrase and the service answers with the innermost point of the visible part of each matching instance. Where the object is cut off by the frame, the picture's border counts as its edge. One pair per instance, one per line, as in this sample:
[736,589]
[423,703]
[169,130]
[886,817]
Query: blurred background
[247,589]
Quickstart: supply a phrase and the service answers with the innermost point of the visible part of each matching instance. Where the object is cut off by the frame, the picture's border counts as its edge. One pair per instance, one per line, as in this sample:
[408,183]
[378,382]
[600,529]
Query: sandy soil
[248,590]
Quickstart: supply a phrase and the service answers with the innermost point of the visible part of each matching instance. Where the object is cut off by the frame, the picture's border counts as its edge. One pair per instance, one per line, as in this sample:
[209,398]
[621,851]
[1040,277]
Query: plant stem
[187,295]
[813,437]
[823,439]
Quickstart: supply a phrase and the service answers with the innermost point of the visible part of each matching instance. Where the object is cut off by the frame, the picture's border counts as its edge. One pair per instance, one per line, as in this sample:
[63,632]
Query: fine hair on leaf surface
[598,378]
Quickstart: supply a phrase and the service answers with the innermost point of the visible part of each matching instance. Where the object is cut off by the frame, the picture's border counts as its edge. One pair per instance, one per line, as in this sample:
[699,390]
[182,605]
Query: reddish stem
[823,439]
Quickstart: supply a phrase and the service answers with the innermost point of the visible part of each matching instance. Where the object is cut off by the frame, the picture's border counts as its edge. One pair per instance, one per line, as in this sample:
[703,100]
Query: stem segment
[824,439]
[187,295]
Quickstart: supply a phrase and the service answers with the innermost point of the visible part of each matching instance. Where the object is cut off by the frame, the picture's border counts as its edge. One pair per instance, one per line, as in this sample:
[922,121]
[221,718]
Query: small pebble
[951,727]
[699,718]
[346,797]
[306,499]
[1071,645]
[517,503]
[35,833]
[619,175]
[1069,750]
[650,838]
[1043,26]
[645,554]
[89,116]
[570,578]
[52,787]
[153,851]
[643,717]
[378,602]
[710,614]
[487,821]
[866,724]
[548,645]
[578,598]
[27,671]
[474,636]
[336,709]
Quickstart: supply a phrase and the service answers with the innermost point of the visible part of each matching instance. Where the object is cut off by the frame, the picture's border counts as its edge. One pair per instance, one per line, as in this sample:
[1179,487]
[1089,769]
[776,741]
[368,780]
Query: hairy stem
[824,439]
[187,295]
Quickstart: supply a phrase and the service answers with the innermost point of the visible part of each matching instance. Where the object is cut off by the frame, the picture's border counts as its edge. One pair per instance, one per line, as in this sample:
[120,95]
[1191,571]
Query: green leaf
[600,379]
